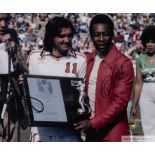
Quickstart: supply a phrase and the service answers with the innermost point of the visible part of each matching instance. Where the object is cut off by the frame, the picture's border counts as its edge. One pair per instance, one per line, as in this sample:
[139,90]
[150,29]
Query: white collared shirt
[92,83]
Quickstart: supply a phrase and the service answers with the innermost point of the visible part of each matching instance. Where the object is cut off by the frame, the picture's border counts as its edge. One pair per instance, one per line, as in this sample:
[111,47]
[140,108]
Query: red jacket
[113,90]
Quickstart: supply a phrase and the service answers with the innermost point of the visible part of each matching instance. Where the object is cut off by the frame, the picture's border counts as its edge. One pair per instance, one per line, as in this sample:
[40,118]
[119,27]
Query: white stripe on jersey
[66,66]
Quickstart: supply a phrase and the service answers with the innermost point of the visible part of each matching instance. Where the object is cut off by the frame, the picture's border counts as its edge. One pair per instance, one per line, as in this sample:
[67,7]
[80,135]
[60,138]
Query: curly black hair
[53,29]
[148,34]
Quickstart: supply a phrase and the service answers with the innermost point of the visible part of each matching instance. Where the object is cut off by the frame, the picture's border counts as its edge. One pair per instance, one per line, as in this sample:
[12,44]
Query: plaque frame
[70,94]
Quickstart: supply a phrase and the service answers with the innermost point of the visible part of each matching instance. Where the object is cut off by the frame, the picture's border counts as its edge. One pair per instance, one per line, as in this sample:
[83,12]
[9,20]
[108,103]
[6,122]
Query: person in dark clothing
[11,62]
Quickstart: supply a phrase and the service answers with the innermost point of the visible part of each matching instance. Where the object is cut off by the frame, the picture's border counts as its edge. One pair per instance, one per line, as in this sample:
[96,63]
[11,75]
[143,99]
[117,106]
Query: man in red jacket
[109,82]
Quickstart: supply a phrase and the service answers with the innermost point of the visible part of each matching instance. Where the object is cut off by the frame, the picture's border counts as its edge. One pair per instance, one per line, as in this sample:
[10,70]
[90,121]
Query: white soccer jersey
[72,65]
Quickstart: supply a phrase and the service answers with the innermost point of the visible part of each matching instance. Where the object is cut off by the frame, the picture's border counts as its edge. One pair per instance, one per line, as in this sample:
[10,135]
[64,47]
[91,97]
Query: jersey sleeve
[31,62]
[82,68]
[140,61]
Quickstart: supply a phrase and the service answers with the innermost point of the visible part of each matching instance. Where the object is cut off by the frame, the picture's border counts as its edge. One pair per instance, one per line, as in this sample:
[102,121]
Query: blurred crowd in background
[128,28]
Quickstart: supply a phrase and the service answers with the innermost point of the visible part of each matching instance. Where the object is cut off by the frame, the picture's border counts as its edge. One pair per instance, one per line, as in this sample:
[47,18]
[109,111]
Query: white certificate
[49,92]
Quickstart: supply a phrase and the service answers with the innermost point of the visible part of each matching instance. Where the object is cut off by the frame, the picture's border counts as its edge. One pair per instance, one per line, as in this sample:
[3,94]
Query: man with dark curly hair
[57,59]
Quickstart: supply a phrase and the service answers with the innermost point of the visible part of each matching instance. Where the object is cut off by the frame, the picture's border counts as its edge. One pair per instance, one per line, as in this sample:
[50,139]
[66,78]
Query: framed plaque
[52,101]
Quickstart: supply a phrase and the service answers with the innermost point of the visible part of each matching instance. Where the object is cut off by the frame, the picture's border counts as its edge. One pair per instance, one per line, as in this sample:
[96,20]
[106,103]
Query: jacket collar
[110,58]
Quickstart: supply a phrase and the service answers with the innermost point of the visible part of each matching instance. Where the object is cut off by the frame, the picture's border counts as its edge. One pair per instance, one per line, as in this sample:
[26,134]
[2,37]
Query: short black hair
[102,19]
[53,29]
[148,34]
[6,17]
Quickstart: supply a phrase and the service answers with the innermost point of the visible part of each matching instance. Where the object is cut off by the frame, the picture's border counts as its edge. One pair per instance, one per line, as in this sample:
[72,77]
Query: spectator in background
[8,36]
[11,65]
[119,37]
[145,83]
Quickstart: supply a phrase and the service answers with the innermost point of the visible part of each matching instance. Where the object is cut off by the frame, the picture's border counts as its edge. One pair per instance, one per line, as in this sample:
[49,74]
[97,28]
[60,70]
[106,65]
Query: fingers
[82,124]
[20,79]
[133,117]
[78,125]
[134,114]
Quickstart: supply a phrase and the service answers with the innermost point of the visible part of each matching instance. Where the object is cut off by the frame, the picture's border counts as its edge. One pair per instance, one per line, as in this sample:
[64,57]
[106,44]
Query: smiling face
[63,41]
[102,38]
